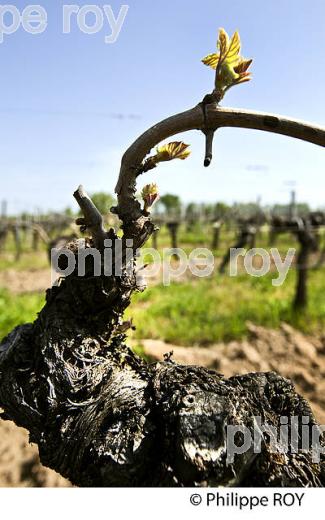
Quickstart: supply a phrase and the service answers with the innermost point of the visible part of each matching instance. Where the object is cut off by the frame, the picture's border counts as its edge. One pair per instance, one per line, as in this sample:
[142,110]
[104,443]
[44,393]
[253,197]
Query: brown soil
[25,281]
[19,461]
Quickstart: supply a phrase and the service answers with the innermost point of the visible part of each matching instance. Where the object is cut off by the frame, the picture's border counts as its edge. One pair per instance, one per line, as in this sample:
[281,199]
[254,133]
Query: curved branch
[192,119]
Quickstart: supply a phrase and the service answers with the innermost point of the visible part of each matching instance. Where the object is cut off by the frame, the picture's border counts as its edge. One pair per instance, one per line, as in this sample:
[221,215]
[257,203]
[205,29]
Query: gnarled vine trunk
[101,416]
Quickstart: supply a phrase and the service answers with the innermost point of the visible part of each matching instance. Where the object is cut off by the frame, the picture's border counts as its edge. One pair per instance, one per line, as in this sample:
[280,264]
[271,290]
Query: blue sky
[60,91]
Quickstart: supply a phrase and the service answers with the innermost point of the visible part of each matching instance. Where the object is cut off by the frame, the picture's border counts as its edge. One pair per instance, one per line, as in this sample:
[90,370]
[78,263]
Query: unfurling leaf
[231,68]
[170,151]
[149,195]
[166,152]
[211,60]
[223,43]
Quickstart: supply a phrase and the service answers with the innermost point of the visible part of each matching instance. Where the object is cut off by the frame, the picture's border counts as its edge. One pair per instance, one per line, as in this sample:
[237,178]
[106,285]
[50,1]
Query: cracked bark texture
[100,415]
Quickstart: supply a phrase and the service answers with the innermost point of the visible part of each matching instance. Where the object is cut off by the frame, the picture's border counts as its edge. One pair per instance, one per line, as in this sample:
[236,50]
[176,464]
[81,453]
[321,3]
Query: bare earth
[19,461]
[25,281]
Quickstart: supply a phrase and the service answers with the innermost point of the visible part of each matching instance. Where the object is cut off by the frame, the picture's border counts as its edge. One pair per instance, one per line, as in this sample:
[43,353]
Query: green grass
[200,311]
[206,311]
[18,309]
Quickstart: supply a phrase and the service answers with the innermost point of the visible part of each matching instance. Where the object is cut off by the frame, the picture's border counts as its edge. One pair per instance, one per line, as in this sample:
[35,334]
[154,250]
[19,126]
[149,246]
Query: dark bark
[246,238]
[155,239]
[173,228]
[306,232]
[173,231]
[3,235]
[216,234]
[18,243]
[273,235]
[300,301]
[307,239]
[35,240]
